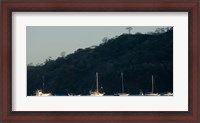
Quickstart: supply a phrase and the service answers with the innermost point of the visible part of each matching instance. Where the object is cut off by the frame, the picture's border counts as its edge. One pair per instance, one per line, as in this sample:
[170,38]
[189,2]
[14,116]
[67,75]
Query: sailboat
[141,93]
[96,92]
[40,93]
[152,92]
[168,94]
[123,93]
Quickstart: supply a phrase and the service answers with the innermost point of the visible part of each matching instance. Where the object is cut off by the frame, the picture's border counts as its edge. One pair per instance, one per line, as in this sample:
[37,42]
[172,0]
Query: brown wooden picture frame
[9,6]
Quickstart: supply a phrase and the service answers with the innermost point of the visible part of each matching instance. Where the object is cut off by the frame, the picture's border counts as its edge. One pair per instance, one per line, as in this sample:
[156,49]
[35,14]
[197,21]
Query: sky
[43,42]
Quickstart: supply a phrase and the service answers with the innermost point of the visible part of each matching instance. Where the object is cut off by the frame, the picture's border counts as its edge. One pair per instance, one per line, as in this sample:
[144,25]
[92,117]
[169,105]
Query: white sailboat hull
[96,94]
[141,94]
[152,94]
[123,94]
[168,94]
[40,93]
[46,94]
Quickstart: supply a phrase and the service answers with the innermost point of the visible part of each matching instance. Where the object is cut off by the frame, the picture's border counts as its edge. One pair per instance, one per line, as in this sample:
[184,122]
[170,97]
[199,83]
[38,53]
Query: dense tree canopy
[138,56]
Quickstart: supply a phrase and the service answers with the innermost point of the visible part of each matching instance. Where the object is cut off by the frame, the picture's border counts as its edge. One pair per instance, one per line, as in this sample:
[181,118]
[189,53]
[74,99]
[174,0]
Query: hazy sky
[45,41]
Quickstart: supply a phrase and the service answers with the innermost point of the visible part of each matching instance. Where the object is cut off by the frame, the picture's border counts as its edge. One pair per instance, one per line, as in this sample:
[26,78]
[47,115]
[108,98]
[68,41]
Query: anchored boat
[40,93]
[152,92]
[96,92]
[123,93]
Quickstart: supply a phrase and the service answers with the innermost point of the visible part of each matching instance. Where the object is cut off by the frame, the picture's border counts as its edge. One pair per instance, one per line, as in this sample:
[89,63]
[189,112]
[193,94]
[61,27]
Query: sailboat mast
[122,82]
[97,81]
[43,83]
[152,84]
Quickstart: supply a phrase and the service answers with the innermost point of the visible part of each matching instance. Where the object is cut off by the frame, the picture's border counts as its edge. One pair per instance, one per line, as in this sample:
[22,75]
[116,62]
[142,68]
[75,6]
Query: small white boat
[40,93]
[96,92]
[141,93]
[123,93]
[168,94]
[73,94]
[152,92]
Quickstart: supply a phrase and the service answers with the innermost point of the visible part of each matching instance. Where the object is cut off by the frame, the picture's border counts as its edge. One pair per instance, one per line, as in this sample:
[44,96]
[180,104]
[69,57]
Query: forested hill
[138,56]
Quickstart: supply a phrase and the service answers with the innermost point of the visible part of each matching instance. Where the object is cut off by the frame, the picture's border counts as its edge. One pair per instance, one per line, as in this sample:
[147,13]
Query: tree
[48,59]
[138,33]
[30,64]
[62,54]
[169,28]
[160,30]
[129,29]
[105,39]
